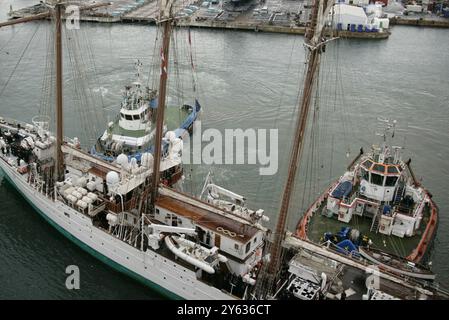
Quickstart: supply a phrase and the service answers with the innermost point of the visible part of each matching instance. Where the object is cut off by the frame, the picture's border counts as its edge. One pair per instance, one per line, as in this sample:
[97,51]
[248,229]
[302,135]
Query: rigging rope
[19,61]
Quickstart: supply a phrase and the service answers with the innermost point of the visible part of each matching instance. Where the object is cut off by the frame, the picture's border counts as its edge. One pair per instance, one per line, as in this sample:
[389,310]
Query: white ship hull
[163,275]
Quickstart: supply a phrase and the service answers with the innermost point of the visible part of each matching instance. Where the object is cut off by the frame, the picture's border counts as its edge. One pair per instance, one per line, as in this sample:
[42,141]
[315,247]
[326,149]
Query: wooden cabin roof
[99,171]
[227,227]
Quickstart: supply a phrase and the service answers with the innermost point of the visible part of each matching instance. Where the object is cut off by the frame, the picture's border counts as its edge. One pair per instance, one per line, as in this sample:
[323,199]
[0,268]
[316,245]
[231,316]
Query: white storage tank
[81,204]
[170,136]
[93,196]
[112,178]
[147,160]
[122,159]
[414,8]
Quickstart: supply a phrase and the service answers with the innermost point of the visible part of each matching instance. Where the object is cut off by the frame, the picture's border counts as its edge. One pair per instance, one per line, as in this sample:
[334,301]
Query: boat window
[391,181]
[377,179]
[367,164]
[236,246]
[142,115]
[379,167]
[392,169]
[248,246]
[128,117]
[122,115]
[136,117]
[365,174]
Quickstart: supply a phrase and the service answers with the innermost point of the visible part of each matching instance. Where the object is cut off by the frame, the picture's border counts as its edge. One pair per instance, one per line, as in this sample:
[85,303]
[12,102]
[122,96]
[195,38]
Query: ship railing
[117,207]
[13,122]
[404,210]
[40,185]
[370,266]
[419,209]
[96,210]
[349,201]
[367,264]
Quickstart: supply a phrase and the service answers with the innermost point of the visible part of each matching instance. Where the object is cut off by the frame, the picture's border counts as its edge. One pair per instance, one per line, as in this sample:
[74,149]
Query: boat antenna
[138,66]
[165,19]
[315,43]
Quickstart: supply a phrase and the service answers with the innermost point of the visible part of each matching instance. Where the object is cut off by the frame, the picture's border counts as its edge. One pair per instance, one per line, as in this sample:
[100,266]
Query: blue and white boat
[132,132]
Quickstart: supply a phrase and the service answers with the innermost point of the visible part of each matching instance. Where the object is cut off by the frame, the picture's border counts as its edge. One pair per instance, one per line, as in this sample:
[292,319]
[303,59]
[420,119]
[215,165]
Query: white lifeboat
[189,258]
[192,245]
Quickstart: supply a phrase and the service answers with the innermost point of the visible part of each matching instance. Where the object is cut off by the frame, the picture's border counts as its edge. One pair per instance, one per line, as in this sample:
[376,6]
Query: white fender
[323,280]
[247,279]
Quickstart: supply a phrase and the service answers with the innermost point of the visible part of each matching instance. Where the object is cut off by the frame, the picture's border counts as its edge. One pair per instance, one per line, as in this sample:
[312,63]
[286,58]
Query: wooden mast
[59,163]
[165,16]
[314,42]
[59,168]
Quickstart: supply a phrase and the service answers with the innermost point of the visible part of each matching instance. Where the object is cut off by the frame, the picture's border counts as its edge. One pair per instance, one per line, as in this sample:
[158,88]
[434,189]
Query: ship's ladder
[375,223]
[399,193]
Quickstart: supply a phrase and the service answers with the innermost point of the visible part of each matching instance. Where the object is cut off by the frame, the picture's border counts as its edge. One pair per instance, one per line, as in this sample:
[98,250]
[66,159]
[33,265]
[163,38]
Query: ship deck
[320,223]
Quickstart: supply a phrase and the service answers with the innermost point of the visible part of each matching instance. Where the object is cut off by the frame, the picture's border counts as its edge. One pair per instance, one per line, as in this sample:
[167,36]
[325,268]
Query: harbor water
[246,80]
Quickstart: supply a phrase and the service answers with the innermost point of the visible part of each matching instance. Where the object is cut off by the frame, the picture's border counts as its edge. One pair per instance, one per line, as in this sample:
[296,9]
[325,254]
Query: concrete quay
[274,16]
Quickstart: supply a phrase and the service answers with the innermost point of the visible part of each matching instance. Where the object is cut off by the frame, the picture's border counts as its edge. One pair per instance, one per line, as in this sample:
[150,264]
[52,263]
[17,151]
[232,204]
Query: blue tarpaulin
[346,247]
[342,190]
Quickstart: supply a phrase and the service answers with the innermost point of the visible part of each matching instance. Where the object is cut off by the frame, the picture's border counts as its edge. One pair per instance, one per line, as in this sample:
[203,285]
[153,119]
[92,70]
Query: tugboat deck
[319,224]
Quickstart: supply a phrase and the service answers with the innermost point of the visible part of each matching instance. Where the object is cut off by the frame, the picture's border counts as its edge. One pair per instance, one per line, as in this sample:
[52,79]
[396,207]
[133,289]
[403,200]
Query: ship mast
[314,42]
[165,21]
[58,6]
[59,169]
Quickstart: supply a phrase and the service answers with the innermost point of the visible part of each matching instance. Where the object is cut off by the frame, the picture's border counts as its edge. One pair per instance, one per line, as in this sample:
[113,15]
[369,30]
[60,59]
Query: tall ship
[208,247]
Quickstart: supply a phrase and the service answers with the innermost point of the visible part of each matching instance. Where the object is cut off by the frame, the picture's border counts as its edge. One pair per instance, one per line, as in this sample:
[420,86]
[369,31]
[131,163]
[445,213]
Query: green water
[245,80]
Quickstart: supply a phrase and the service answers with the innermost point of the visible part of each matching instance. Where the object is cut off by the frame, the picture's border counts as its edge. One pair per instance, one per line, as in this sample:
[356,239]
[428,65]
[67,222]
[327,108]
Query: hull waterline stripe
[97,254]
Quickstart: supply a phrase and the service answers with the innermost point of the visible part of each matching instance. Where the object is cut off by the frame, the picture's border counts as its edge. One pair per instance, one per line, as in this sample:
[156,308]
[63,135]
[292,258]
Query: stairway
[398,195]
[375,223]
